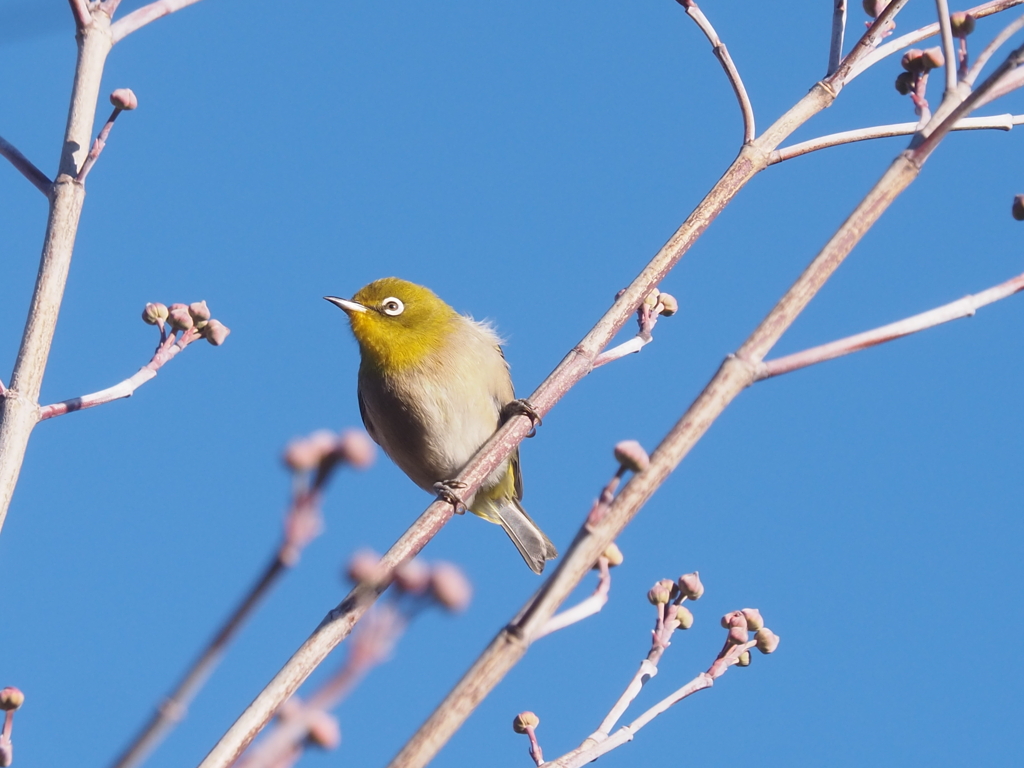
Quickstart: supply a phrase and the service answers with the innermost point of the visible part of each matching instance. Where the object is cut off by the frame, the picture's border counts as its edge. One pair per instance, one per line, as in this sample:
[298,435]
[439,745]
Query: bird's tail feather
[533,545]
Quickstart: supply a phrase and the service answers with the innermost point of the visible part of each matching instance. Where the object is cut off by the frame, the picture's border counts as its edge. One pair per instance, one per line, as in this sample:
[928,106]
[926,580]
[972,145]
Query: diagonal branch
[80,9]
[994,122]
[578,363]
[137,19]
[26,167]
[835,49]
[722,54]
[965,307]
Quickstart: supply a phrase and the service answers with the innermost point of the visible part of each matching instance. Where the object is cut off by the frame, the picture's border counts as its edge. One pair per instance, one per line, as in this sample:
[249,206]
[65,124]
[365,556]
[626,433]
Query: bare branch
[97,146]
[722,53]
[949,52]
[26,167]
[994,122]
[80,9]
[883,51]
[835,50]
[997,42]
[137,19]
[585,608]
[965,307]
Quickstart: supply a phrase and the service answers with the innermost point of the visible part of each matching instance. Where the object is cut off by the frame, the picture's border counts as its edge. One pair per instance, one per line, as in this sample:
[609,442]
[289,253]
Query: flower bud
[912,60]
[354,447]
[154,314]
[364,567]
[613,554]
[124,98]
[684,617]
[743,660]
[306,453]
[767,641]
[214,331]
[11,698]
[738,635]
[691,586]
[412,576]
[669,304]
[874,8]
[660,593]
[905,83]
[651,299]
[450,587]
[933,58]
[525,720]
[179,318]
[734,619]
[1018,208]
[200,312]
[324,731]
[753,617]
[631,455]
[962,23]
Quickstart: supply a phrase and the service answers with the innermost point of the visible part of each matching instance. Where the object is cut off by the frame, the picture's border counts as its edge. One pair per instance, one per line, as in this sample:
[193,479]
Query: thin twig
[835,49]
[997,42]
[930,30]
[26,167]
[578,363]
[994,122]
[585,608]
[965,307]
[166,352]
[98,145]
[948,51]
[139,18]
[80,10]
[722,53]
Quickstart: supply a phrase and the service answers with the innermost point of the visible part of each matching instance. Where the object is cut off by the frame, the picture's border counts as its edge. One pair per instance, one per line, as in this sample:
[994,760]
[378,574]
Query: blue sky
[525,161]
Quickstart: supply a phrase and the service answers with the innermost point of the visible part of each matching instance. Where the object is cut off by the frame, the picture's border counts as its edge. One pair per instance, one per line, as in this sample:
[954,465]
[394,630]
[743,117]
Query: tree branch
[835,50]
[144,15]
[26,167]
[722,54]
[948,51]
[732,377]
[994,122]
[80,10]
[965,307]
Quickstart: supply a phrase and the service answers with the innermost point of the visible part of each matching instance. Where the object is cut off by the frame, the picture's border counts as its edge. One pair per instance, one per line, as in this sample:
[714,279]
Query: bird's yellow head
[397,323]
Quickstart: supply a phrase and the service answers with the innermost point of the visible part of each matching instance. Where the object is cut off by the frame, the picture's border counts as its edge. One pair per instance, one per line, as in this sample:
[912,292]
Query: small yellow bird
[433,385]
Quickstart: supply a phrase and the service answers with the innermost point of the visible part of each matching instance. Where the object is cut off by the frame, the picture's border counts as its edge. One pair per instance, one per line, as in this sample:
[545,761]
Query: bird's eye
[392,306]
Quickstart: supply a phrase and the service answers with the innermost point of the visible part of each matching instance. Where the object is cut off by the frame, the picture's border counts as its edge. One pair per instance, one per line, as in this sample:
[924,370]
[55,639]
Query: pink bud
[154,314]
[738,635]
[631,455]
[355,447]
[364,567]
[669,304]
[734,619]
[199,311]
[874,8]
[450,587]
[324,731]
[525,720]
[962,23]
[11,698]
[753,617]
[306,453]
[215,332]
[690,585]
[660,593]
[767,641]
[124,98]
[413,577]
[179,318]
[613,554]
[913,60]
[684,617]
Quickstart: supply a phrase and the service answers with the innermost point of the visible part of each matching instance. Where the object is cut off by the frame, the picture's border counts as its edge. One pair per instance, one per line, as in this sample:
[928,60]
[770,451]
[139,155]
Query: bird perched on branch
[433,387]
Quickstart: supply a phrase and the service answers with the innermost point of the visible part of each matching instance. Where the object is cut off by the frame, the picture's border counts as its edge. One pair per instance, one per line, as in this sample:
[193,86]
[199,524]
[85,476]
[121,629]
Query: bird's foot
[522,407]
[446,491]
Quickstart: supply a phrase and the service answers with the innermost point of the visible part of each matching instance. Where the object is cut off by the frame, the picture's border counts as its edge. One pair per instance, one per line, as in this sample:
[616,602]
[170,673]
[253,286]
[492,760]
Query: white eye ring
[392,306]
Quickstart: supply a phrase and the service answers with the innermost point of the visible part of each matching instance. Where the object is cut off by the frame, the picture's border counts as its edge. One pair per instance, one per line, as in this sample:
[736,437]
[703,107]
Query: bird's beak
[345,304]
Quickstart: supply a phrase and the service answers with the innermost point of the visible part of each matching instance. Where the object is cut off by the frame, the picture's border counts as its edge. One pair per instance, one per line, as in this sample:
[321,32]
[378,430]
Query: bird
[433,386]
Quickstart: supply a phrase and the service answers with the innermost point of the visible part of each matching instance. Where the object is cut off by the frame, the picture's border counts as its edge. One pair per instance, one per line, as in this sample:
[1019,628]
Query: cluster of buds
[916,65]
[324,449]
[11,699]
[740,624]
[661,303]
[668,597]
[441,583]
[187,317]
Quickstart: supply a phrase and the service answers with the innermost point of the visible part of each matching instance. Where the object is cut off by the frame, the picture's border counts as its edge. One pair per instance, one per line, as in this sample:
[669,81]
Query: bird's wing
[366,419]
